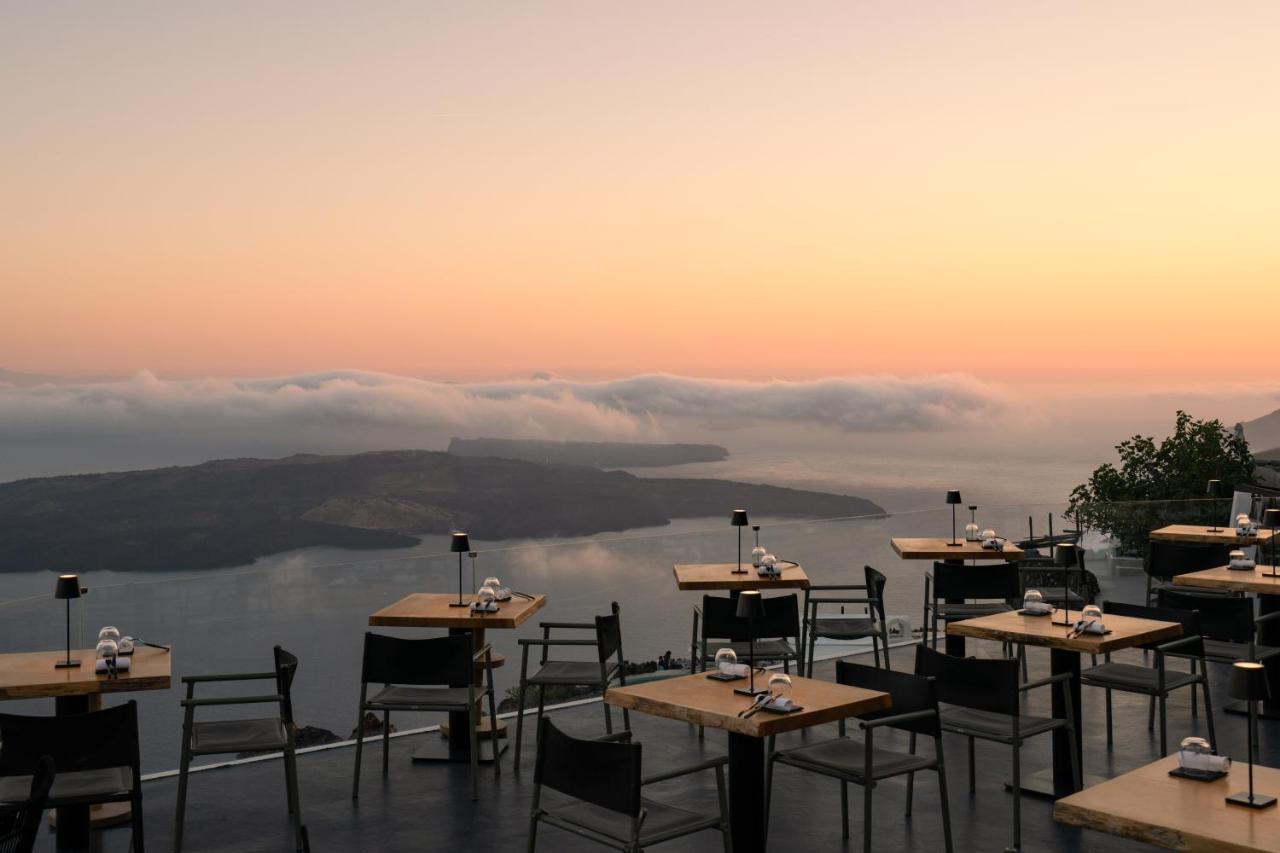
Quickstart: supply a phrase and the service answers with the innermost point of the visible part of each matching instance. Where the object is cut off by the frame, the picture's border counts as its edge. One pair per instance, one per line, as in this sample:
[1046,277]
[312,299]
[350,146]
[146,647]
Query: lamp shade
[1248,682]
[1068,555]
[739,518]
[1214,488]
[68,587]
[953,496]
[460,544]
[750,604]
[1271,517]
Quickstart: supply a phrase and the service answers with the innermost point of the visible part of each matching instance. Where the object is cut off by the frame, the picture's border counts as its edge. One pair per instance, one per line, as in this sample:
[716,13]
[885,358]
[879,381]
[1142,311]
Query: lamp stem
[751,651]
[459,578]
[1253,715]
[953,524]
[68,632]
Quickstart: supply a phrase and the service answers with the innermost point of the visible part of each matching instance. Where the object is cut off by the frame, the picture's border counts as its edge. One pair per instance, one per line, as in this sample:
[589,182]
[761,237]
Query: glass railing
[317,602]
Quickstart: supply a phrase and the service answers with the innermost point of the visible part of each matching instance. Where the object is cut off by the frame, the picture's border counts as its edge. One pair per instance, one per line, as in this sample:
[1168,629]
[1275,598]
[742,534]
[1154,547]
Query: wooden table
[943,550]
[1262,582]
[76,690]
[433,610]
[699,700]
[1201,534]
[1151,806]
[1064,656]
[694,576]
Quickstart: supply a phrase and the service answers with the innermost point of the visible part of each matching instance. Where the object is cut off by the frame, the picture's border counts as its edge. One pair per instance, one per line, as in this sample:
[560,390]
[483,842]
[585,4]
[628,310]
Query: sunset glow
[1017,191]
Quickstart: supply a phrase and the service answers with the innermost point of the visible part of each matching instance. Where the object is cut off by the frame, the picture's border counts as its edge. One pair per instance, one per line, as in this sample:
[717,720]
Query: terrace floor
[427,807]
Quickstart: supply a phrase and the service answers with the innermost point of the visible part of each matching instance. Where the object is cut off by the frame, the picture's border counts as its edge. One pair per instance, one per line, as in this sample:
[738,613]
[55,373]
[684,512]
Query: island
[597,454]
[230,512]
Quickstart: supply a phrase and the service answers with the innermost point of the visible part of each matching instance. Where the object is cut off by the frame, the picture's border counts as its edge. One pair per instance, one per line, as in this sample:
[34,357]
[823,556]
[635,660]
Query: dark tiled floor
[421,807]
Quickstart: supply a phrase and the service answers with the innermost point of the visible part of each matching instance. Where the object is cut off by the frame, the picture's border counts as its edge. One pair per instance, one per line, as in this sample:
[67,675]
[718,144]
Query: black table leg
[72,821]
[1060,661]
[457,746]
[746,793]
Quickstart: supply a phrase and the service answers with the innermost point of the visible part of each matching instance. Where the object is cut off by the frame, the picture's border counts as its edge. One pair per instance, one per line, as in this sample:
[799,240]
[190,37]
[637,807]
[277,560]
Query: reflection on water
[316,603]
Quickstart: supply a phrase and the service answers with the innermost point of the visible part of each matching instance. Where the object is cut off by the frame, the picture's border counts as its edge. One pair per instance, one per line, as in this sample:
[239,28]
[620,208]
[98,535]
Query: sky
[1034,193]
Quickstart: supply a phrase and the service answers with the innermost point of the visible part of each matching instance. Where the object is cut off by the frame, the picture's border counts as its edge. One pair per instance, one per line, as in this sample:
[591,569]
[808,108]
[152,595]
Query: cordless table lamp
[751,608]
[68,587]
[460,545]
[1249,684]
[1271,518]
[953,498]
[739,520]
[1068,557]
[1214,491]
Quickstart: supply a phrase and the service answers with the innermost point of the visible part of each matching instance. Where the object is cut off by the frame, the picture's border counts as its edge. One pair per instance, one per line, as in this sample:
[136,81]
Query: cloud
[149,421]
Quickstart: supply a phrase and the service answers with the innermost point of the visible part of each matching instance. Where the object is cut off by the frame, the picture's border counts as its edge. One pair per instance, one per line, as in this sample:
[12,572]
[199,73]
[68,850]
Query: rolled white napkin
[1241,563]
[996,544]
[503,594]
[1090,627]
[122,665]
[1195,760]
[491,607]
[740,669]
[1037,607]
[780,703]
[1247,530]
[767,572]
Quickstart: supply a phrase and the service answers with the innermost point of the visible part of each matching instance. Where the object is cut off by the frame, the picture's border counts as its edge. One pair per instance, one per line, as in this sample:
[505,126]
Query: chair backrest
[1222,617]
[979,683]
[1189,619]
[1167,560]
[92,741]
[603,773]
[875,590]
[908,693]
[999,580]
[286,669]
[609,634]
[426,660]
[720,619]
[20,822]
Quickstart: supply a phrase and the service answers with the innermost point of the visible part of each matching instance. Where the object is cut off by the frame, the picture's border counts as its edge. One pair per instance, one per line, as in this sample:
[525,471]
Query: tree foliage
[1162,483]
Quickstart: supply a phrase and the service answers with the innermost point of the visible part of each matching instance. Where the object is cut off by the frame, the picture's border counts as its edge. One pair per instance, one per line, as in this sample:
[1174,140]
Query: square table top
[942,549]
[705,702]
[432,610]
[1126,632]
[721,576]
[1149,805]
[1260,579]
[32,675]
[1200,533]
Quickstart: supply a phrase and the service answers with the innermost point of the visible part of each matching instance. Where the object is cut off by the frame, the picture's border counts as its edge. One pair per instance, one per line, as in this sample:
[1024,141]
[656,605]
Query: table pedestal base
[746,793]
[103,815]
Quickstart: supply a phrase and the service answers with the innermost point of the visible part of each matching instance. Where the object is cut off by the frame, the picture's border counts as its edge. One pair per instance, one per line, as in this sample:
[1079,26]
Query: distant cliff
[230,512]
[598,454]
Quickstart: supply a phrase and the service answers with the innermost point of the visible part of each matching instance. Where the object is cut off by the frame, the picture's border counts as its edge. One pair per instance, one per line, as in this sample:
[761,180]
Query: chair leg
[813,641]
[1208,713]
[1151,714]
[386,742]
[137,843]
[181,811]
[608,717]
[884,638]
[726,833]
[844,807]
[1017,795]
[911,777]
[291,760]
[1022,659]
[515,764]
[533,835]
[875,650]
[1110,740]
[973,780]
[290,783]
[867,789]
[1164,738]
[946,803]
[1194,710]
[355,780]
[473,722]
[493,732]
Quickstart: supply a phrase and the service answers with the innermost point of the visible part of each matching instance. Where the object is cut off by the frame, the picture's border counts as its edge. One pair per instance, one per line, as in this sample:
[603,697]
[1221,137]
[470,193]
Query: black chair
[842,627]
[1166,560]
[262,734]
[95,755]
[1227,625]
[954,591]
[721,628]
[914,709]
[982,697]
[1156,681]
[20,821]
[602,776]
[598,673]
[435,675]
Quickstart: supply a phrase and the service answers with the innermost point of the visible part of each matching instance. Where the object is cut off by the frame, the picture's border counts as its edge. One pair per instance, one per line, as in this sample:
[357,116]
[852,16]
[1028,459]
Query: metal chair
[20,821]
[1166,560]
[599,673]
[602,776]
[95,755]
[1155,681]
[914,709]
[436,675]
[843,627]
[983,696]
[1227,625]
[721,625]
[954,591]
[262,734]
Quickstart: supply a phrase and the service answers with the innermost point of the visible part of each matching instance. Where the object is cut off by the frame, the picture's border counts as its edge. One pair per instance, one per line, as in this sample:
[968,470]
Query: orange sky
[1081,192]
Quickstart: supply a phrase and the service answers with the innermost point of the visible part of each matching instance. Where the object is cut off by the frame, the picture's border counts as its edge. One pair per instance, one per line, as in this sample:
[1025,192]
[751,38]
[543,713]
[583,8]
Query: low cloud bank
[146,421]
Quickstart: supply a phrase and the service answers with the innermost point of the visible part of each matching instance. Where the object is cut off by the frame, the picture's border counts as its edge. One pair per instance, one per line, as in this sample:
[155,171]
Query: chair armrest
[709,764]
[585,626]
[243,676]
[1044,682]
[830,586]
[1173,644]
[1267,617]
[843,600]
[537,641]
[616,736]
[897,719]
[482,653]
[232,700]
